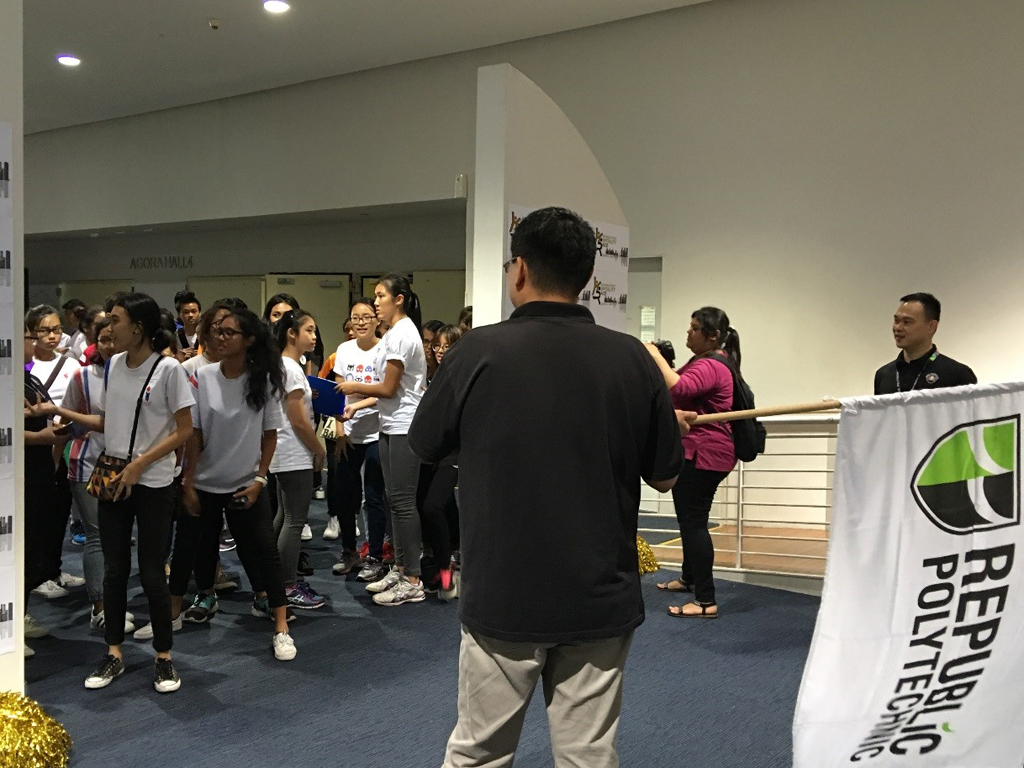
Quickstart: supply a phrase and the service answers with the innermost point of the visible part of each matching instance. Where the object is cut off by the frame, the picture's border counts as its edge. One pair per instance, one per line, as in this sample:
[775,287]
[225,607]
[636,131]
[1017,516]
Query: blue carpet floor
[374,687]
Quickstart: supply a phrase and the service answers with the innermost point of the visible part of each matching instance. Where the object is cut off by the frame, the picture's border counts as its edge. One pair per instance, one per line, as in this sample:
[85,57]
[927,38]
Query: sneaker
[385,583]
[261,610]
[109,668]
[403,592]
[33,629]
[165,679]
[203,608]
[29,653]
[302,597]
[319,493]
[448,586]
[348,561]
[364,552]
[307,533]
[457,560]
[372,571]
[227,543]
[284,647]
[304,568]
[67,580]
[98,621]
[333,529]
[224,582]
[146,632]
[78,532]
[389,552]
[50,590]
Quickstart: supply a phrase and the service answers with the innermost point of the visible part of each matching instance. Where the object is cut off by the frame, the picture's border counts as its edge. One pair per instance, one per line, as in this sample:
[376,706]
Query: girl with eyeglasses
[299,453]
[398,395]
[430,329]
[226,464]
[147,435]
[357,460]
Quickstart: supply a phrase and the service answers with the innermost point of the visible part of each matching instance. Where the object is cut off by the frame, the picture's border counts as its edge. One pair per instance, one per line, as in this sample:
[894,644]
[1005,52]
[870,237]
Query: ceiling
[144,55]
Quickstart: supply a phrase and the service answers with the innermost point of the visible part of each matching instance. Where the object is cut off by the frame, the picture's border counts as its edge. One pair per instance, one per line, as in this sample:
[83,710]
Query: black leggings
[150,509]
[436,499]
[253,531]
[693,495]
[44,519]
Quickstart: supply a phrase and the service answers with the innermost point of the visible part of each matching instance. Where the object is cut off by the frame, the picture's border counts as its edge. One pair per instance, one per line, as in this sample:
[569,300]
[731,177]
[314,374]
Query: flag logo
[970,479]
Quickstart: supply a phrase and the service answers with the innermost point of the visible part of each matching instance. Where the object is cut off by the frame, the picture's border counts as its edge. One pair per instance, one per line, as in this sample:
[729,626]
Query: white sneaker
[307,533]
[68,580]
[33,629]
[98,621]
[146,632]
[333,529]
[29,653]
[50,590]
[284,647]
[403,592]
[320,494]
[383,585]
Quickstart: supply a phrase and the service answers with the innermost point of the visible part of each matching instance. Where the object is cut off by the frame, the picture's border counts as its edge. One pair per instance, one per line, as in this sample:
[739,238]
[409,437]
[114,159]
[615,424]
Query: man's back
[556,420]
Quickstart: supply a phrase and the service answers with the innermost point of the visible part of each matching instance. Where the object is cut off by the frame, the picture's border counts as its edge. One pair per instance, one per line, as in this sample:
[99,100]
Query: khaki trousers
[582,690]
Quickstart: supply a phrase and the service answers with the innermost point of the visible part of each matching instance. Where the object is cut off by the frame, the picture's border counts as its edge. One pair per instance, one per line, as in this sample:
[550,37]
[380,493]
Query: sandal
[679,614]
[681,586]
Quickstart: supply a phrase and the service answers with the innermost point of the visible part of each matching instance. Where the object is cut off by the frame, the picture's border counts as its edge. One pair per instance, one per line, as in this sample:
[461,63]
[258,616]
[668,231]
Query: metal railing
[770,516]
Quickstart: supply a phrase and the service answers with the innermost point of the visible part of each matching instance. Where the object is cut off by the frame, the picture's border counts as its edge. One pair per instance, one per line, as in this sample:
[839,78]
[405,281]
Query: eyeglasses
[362,319]
[508,264]
[224,333]
[441,347]
[56,330]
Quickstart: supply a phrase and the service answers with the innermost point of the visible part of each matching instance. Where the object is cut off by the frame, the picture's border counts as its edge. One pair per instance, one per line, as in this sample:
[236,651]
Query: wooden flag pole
[759,413]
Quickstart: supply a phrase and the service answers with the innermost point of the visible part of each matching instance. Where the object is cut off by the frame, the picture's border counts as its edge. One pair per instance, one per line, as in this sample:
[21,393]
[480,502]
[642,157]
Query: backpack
[748,435]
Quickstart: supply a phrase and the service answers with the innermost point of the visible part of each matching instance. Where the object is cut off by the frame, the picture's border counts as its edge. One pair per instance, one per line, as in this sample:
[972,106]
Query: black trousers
[183,558]
[436,500]
[55,544]
[255,542]
[149,509]
[361,462]
[44,519]
[693,495]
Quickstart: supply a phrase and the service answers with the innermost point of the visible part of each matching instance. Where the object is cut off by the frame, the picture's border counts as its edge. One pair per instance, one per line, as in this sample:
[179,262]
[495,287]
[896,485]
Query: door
[92,292]
[442,294]
[326,297]
[248,288]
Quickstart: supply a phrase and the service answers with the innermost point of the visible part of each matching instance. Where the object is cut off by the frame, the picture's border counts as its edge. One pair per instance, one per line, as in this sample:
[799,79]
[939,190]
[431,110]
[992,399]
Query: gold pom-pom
[645,556]
[30,738]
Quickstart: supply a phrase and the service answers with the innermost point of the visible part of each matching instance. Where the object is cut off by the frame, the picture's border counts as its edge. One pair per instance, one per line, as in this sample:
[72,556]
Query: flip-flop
[702,615]
[683,586]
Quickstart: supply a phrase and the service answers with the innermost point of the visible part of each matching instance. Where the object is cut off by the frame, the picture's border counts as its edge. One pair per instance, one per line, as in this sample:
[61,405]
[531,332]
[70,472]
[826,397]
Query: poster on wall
[606,293]
[8,493]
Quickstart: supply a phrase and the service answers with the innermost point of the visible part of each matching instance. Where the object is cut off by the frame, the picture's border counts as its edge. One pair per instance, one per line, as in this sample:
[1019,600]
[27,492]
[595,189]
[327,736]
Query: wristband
[261,480]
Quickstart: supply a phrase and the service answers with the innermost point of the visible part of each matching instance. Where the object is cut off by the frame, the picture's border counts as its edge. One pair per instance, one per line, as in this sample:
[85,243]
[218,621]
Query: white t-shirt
[42,369]
[292,454]
[83,395]
[403,343]
[77,345]
[193,364]
[167,393]
[367,367]
[232,431]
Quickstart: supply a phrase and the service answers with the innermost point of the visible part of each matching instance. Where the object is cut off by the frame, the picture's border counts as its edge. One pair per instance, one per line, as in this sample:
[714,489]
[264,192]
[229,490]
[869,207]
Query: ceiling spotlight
[68,60]
[275,6]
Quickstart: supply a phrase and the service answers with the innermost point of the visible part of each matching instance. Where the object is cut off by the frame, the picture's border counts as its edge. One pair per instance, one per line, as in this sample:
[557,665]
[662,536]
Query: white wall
[12,665]
[800,162]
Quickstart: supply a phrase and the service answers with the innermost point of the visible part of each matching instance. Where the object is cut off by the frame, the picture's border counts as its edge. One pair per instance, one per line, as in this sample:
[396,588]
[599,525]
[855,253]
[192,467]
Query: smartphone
[237,502]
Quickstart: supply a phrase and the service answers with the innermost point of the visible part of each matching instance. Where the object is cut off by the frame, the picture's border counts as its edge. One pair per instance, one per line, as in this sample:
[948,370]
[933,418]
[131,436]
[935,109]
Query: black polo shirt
[929,371]
[556,420]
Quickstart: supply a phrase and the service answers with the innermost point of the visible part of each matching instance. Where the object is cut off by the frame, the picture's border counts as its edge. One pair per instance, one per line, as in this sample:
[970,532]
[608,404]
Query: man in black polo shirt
[556,421]
[919,364]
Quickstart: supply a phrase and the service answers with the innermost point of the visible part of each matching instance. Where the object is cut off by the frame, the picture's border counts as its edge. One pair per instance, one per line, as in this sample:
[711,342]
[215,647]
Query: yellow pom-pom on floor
[30,738]
[645,556]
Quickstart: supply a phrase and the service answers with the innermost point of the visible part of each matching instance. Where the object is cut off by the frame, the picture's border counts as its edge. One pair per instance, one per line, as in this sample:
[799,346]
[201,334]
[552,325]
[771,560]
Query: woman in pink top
[703,385]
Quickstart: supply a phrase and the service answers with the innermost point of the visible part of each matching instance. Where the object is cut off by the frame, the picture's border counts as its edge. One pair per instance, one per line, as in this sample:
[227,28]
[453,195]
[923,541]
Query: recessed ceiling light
[275,6]
[68,60]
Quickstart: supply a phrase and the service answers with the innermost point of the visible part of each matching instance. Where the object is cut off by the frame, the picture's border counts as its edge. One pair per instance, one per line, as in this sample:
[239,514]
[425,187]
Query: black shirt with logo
[929,371]
[556,421]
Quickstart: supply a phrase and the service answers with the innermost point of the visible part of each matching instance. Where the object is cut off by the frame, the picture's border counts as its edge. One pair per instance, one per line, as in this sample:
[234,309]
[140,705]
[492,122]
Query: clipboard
[326,401]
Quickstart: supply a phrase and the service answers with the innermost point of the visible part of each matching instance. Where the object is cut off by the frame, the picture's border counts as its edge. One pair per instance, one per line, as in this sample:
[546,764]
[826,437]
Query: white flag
[918,653]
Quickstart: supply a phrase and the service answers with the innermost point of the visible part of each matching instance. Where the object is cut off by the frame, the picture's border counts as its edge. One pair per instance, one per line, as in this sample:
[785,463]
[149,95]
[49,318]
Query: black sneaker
[304,569]
[166,680]
[104,675]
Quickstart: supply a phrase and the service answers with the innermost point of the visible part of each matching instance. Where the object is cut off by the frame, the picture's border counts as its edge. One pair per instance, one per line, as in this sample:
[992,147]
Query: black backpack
[748,435]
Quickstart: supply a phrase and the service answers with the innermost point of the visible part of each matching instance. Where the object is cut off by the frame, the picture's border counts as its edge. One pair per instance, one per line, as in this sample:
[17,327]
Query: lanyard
[919,375]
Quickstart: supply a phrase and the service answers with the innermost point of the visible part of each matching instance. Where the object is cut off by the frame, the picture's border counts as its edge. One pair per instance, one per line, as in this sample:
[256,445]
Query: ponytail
[731,347]
[262,360]
[292,320]
[714,321]
[398,285]
[143,309]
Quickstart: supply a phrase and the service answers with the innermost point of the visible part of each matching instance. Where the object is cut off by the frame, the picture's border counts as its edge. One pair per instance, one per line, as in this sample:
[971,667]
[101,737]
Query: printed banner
[8,410]
[916,658]
[606,294]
